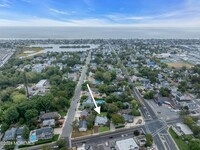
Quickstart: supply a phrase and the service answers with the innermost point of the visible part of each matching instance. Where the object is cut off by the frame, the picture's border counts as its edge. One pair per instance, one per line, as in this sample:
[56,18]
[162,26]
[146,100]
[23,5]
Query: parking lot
[164,111]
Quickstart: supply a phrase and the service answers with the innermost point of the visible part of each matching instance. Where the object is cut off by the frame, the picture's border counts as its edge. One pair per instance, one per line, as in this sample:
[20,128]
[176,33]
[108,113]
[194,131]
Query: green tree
[18,97]
[194,144]
[135,112]
[134,103]
[90,121]
[188,121]
[31,114]
[164,92]
[149,140]
[112,108]
[44,102]
[107,77]
[149,95]
[4,127]
[98,75]
[61,143]
[117,119]
[25,133]
[11,115]
[46,147]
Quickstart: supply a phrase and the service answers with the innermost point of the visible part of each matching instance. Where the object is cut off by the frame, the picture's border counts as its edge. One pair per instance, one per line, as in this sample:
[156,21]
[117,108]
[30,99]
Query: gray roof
[20,130]
[50,122]
[101,120]
[128,118]
[84,113]
[44,130]
[9,134]
[88,102]
[83,124]
[50,115]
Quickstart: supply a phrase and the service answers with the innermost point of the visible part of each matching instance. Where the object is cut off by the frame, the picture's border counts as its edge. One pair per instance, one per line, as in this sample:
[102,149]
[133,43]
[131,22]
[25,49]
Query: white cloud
[98,23]
[186,16]
[58,11]
[5,3]
[51,22]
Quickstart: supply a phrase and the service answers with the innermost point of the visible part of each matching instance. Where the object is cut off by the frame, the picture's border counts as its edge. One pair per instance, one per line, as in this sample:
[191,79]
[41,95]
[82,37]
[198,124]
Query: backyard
[77,133]
[103,129]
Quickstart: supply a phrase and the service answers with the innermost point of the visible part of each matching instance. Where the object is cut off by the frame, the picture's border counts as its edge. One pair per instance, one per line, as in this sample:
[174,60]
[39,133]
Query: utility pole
[25,83]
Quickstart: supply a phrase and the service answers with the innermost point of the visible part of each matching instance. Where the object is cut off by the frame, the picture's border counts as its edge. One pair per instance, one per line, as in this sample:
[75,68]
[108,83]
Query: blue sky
[137,13]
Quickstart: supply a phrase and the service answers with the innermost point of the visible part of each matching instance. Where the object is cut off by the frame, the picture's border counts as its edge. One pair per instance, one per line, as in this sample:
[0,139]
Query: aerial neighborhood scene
[99,75]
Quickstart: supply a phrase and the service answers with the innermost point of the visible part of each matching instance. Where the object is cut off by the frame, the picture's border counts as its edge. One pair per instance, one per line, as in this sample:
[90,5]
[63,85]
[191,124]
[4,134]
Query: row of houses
[47,121]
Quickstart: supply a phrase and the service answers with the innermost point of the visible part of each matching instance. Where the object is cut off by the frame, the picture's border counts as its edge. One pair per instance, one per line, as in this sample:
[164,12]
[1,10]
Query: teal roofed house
[100,101]
[97,82]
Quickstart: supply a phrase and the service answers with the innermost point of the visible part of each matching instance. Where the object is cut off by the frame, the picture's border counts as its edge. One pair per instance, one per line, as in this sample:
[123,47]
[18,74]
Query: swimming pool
[33,137]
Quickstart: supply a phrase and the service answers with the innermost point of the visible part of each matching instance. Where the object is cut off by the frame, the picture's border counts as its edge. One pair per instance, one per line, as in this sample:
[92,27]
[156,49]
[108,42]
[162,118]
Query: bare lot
[179,65]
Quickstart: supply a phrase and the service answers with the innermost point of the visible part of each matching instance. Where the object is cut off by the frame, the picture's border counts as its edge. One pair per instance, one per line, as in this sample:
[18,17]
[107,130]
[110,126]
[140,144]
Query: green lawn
[103,114]
[103,129]
[180,143]
[62,113]
[77,133]
[54,139]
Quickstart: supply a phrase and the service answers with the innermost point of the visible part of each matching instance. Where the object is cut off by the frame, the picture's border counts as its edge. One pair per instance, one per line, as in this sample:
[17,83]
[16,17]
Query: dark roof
[20,130]
[44,130]
[50,115]
[127,117]
[83,124]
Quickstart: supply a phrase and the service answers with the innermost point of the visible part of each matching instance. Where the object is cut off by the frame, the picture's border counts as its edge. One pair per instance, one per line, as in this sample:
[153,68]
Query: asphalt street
[67,128]
[102,138]
[148,113]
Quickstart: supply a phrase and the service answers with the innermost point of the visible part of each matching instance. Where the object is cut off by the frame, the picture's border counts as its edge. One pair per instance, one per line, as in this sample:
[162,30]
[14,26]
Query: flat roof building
[182,129]
[127,144]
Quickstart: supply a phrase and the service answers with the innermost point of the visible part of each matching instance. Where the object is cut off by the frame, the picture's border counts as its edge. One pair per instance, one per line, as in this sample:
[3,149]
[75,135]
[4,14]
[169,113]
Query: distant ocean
[97,33]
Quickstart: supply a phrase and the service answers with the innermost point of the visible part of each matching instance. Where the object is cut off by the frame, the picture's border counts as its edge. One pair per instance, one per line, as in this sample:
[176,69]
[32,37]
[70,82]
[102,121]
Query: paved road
[101,138]
[67,128]
[157,126]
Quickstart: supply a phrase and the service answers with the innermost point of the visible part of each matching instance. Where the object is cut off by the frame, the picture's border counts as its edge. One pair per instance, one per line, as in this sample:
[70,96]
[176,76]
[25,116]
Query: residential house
[134,78]
[101,120]
[88,102]
[128,118]
[82,125]
[100,101]
[127,105]
[10,134]
[48,123]
[19,135]
[93,66]
[77,68]
[84,114]
[51,115]
[42,84]
[73,76]
[38,68]
[41,134]
[145,81]
[151,64]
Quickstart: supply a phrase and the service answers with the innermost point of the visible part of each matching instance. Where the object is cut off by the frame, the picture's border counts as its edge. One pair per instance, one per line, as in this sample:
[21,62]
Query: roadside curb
[172,138]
